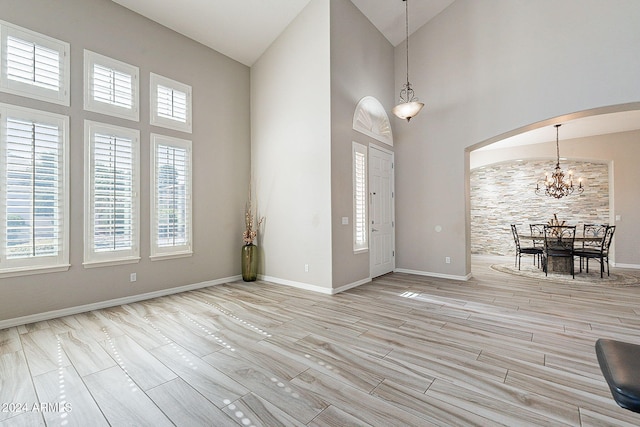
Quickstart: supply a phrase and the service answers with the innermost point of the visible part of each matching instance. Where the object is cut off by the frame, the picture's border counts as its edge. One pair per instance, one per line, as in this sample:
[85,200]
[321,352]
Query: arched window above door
[371,119]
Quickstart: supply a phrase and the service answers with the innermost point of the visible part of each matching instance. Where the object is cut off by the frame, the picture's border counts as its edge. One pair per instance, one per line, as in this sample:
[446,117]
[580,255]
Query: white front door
[381,212]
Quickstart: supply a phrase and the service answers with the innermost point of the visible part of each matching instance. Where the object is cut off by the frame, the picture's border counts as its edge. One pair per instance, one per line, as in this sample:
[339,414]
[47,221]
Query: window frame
[44,264]
[361,199]
[114,257]
[91,104]
[156,80]
[177,251]
[21,88]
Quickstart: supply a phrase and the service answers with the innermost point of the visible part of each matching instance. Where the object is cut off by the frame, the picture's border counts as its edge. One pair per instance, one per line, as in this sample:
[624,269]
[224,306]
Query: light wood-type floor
[401,351]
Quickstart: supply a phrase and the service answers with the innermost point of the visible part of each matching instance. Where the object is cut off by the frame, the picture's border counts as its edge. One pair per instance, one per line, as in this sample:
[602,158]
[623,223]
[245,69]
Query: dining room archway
[607,137]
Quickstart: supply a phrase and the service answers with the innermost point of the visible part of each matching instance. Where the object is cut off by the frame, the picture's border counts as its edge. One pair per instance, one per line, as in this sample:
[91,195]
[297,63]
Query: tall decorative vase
[249,262]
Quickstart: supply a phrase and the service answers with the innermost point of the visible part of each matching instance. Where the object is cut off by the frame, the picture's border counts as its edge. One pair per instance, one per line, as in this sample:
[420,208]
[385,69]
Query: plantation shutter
[171,198]
[34,65]
[113,193]
[112,86]
[33,176]
[30,63]
[359,197]
[172,104]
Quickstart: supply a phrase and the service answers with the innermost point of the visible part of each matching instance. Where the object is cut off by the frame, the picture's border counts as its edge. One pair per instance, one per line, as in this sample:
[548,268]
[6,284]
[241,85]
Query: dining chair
[530,250]
[600,253]
[595,232]
[537,237]
[558,243]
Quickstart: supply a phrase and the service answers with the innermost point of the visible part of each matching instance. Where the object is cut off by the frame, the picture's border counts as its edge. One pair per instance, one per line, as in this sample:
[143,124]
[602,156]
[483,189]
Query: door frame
[393,207]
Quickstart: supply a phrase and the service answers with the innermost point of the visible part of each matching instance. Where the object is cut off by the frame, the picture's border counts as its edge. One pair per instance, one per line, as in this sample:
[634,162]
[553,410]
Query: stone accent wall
[504,194]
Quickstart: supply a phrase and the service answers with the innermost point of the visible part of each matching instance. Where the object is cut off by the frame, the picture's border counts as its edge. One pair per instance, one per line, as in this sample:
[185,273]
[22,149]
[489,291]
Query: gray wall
[361,65]
[221,157]
[291,151]
[302,173]
[485,68]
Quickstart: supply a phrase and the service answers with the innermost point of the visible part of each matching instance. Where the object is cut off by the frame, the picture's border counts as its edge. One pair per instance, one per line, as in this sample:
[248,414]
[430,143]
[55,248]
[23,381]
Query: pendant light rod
[409,105]
[557,145]
[406,19]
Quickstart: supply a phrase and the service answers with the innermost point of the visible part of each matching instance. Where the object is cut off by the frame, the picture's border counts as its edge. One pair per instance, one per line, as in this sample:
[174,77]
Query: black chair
[537,237]
[558,243]
[599,252]
[523,250]
[620,365]
[594,231]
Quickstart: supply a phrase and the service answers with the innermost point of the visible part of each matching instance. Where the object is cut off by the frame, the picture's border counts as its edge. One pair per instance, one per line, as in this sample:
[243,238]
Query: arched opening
[597,144]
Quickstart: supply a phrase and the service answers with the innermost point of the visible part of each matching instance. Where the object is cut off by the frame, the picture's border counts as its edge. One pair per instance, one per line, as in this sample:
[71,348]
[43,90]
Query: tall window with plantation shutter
[34,200]
[33,65]
[112,194]
[170,103]
[170,197]
[360,234]
[111,86]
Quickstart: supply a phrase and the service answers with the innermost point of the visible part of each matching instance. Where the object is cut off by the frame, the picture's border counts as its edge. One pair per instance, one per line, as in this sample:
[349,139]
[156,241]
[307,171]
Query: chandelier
[554,184]
[409,105]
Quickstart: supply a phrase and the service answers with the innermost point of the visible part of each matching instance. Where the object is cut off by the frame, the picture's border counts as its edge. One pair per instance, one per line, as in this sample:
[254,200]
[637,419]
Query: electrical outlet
[447,260]
[306,268]
[133,277]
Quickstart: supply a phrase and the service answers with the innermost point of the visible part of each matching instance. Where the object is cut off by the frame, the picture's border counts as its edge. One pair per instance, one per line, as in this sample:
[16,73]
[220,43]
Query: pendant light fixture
[554,184]
[409,105]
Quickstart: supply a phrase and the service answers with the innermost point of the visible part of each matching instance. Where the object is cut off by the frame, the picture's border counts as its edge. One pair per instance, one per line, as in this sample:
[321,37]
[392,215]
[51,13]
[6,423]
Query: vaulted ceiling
[243,30]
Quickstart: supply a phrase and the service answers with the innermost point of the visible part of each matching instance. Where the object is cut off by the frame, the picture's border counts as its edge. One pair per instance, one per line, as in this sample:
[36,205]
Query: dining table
[560,264]
[575,240]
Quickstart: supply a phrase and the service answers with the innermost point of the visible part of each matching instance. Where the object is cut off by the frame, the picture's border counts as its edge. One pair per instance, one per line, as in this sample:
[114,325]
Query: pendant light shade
[407,110]
[409,105]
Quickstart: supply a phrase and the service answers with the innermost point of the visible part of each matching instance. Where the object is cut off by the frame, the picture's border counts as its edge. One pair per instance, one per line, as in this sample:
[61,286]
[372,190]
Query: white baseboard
[430,274]
[314,288]
[294,284]
[633,266]
[351,285]
[110,303]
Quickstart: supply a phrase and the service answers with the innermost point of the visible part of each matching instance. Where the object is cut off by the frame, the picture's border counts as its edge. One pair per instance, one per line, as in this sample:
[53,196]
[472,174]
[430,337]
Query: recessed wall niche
[504,193]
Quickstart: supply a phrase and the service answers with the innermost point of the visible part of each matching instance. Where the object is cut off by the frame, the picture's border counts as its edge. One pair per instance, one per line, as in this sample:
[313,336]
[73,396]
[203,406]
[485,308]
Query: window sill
[26,271]
[171,124]
[161,257]
[110,262]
